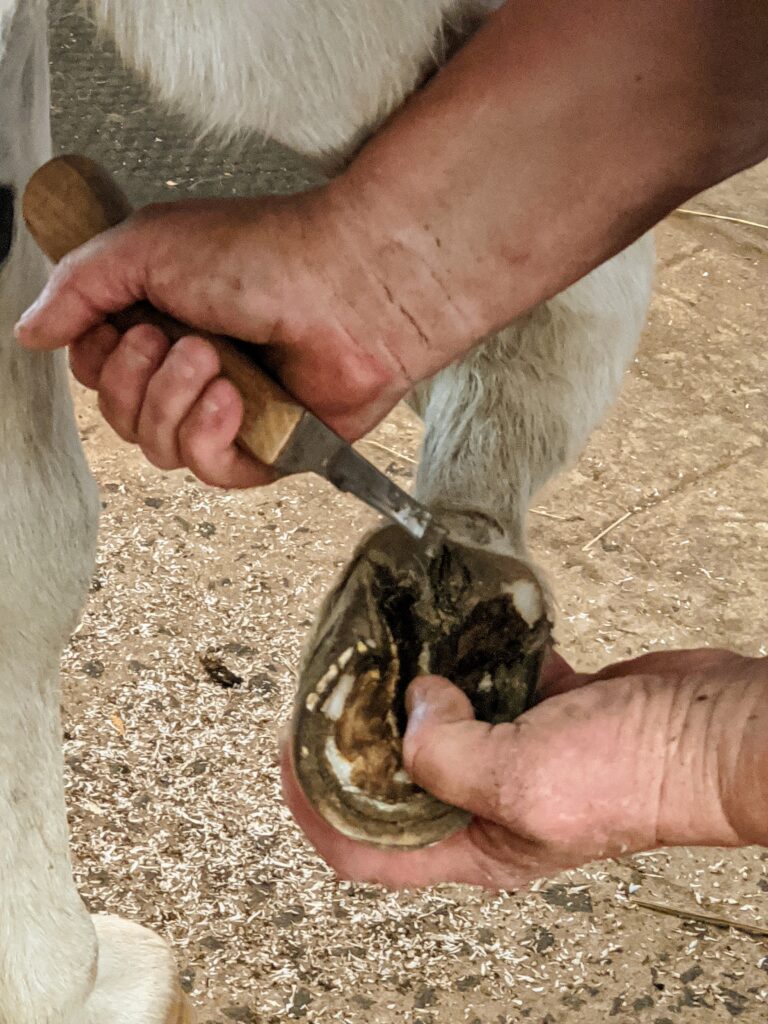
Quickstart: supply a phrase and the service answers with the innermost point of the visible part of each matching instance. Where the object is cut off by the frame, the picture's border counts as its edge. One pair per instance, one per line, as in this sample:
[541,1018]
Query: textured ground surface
[174,800]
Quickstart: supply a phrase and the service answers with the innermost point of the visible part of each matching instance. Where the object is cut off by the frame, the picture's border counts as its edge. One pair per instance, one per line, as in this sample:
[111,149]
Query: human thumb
[445,750]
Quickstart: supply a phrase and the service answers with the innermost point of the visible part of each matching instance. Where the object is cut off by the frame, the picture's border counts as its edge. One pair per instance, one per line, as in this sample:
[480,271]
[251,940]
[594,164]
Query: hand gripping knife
[71,199]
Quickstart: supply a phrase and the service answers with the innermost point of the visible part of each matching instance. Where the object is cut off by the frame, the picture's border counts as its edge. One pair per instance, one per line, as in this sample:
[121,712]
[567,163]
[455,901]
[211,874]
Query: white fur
[318,75]
[521,407]
[47,514]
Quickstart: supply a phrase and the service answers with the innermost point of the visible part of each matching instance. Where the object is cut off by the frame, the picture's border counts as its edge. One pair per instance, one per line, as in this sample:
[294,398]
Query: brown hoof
[181,1011]
[465,608]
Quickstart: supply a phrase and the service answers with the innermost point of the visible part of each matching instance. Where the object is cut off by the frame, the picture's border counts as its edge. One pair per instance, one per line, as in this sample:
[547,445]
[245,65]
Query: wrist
[714,783]
[402,282]
[744,760]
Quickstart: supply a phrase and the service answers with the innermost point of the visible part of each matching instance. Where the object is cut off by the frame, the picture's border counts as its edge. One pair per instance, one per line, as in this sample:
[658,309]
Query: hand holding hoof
[465,608]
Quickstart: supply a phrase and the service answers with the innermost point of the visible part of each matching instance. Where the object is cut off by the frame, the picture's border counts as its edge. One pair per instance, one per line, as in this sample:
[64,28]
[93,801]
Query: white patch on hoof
[334,706]
[340,766]
[343,659]
[424,659]
[136,979]
[326,680]
[342,770]
[526,598]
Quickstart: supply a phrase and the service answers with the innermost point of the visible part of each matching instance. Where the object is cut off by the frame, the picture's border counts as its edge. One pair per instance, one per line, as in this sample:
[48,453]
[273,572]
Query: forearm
[553,139]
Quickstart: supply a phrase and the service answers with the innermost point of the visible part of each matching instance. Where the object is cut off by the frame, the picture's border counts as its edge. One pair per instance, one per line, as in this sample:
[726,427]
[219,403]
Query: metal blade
[349,471]
[315,448]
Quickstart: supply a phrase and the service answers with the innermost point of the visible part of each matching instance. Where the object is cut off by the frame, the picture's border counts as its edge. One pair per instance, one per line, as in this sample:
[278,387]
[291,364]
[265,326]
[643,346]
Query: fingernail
[211,407]
[136,355]
[27,315]
[418,709]
[20,324]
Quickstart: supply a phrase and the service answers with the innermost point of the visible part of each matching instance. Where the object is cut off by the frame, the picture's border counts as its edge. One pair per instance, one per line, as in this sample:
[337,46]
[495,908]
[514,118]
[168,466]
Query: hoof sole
[464,607]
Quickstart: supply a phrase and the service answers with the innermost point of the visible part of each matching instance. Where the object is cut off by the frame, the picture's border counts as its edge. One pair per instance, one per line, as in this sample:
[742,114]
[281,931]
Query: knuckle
[159,459]
[116,412]
[195,456]
[208,477]
[206,474]
[156,417]
[195,357]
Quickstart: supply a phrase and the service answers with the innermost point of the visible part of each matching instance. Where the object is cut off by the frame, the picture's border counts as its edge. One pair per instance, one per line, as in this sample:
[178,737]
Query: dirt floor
[175,808]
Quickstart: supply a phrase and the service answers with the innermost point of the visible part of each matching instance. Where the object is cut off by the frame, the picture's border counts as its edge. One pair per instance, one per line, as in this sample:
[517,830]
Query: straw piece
[721,216]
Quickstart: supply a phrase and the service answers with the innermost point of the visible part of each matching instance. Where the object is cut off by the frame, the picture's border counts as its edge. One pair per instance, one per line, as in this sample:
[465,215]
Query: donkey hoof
[182,1013]
[464,608]
[136,979]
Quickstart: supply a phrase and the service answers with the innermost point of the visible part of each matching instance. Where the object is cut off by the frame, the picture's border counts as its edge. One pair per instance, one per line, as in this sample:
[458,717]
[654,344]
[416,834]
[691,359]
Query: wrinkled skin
[462,605]
[664,750]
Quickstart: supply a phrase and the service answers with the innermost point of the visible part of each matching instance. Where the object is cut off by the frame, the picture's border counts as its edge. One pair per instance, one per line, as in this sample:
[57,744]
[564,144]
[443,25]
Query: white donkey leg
[57,966]
[521,407]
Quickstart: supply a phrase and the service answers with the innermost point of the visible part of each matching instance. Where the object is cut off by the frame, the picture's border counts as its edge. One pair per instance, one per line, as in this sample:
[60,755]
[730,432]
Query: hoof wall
[182,1011]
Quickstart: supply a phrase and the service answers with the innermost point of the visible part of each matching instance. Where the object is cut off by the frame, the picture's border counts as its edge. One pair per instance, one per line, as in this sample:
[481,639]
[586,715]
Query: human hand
[668,749]
[292,274]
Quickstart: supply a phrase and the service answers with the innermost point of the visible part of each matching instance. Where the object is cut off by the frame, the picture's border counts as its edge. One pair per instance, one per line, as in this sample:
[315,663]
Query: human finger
[207,441]
[187,370]
[101,277]
[88,354]
[126,374]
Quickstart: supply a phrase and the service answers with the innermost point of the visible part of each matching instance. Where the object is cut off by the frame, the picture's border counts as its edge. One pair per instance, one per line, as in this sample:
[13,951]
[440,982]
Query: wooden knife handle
[71,199]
